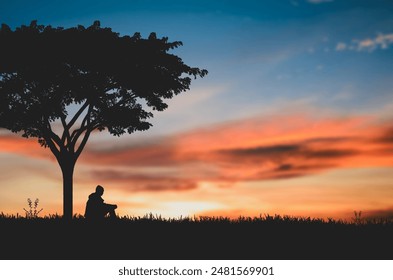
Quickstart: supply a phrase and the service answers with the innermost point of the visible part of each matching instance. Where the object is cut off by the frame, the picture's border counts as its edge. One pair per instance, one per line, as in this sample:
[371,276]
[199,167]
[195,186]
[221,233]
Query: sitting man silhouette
[96,209]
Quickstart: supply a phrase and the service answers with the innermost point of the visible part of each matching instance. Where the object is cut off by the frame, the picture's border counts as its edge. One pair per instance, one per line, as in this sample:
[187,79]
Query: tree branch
[85,127]
[66,132]
[83,143]
[76,134]
[77,115]
[51,145]
[50,135]
[88,129]
[56,139]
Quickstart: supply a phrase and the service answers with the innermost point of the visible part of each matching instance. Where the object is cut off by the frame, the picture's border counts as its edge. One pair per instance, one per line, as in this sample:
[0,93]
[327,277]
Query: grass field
[153,237]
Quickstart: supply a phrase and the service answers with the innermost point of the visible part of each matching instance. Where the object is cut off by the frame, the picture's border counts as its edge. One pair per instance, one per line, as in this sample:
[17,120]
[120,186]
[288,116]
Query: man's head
[99,190]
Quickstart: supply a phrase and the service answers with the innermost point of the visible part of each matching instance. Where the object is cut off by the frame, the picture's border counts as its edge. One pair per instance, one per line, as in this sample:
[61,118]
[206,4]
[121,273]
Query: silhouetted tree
[60,85]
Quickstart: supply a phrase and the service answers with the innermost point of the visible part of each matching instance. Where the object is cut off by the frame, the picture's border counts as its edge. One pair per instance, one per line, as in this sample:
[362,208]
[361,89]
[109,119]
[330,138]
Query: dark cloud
[310,167]
[299,150]
[386,137]
[284,167]
[274,162]
[263,150]
[292,170]
[329,139]
[282,176]
[329,153]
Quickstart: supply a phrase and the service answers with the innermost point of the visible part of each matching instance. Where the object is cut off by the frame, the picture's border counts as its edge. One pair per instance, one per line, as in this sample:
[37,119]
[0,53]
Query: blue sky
[264,51]
[269,62]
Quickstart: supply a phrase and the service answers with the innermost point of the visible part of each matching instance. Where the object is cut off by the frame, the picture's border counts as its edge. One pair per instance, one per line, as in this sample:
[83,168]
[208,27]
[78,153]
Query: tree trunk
[67,168]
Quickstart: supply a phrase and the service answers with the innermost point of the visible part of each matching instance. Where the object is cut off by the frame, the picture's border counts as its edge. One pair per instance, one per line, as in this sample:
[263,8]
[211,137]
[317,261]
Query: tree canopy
[44,69]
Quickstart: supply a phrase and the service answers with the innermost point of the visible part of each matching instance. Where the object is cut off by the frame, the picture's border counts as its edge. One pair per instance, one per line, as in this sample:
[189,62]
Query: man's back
[94,206]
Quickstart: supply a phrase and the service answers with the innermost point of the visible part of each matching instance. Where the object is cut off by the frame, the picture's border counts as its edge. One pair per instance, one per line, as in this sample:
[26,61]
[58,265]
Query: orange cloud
[146,182]
[159,153]
[278,147]
[15,144]
[250,150]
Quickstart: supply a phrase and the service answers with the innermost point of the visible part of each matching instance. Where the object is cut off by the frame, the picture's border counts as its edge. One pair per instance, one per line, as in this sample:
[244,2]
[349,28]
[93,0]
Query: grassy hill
[153,237]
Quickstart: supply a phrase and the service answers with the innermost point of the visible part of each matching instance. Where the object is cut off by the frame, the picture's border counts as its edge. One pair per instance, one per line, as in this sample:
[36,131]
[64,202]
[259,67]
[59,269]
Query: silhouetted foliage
[85,79]
[32,212]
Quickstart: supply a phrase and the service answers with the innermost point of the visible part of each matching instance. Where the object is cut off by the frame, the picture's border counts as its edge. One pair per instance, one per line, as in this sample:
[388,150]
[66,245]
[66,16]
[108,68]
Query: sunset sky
[294,118]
